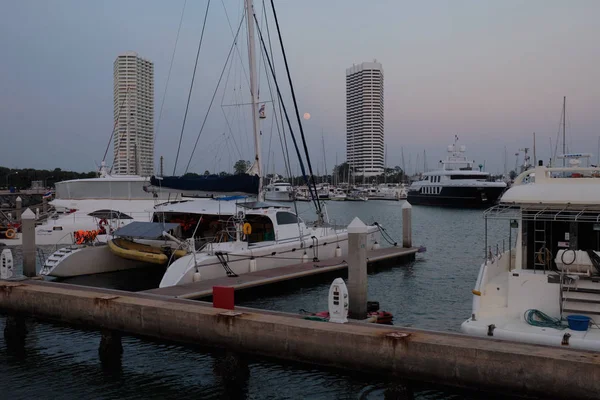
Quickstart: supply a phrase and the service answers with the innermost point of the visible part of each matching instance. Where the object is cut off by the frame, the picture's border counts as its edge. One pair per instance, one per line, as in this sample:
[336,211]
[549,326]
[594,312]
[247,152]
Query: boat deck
[203,288]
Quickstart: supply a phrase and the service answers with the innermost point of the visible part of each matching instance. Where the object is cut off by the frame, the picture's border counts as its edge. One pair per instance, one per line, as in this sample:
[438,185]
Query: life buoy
[247,229]
[10,233]
[103,221]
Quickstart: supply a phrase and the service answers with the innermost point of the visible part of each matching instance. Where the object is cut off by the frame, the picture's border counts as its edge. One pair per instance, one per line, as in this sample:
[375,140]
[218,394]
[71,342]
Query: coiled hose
[537,318]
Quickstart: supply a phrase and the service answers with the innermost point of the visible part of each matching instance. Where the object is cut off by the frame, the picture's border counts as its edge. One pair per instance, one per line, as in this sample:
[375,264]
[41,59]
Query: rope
[385,235]
[287,118]
[293,93]
[187,106]
[213,96]
[537,318]
[169,74]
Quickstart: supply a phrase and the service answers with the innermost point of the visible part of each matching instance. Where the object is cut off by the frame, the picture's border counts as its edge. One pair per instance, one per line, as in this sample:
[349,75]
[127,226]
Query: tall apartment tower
[364,118]
[134,115]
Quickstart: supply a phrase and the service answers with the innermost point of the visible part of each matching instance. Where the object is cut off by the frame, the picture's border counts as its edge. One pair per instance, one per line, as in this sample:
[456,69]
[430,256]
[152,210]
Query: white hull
[240,259]
[60,230]
[85,260]
[521,331]
[279,196]
[502,295]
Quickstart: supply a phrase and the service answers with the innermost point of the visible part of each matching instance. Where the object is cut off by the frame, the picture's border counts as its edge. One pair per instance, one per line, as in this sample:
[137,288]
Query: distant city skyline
[491,72]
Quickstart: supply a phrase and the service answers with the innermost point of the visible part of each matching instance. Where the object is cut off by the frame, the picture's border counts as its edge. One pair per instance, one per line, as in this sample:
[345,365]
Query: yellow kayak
[140,252]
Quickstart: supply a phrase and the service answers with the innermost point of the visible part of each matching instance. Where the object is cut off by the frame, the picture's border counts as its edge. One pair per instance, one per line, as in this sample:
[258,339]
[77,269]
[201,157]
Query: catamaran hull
[86,260]
[208,266]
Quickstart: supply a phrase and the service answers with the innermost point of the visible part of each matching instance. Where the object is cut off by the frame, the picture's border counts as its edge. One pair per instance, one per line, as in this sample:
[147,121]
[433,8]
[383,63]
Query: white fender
[253,266]
[338,251]
[338,302]
[196,277]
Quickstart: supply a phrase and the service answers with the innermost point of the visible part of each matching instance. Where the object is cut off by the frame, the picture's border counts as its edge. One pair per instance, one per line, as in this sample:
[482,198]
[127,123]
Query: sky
[490,72]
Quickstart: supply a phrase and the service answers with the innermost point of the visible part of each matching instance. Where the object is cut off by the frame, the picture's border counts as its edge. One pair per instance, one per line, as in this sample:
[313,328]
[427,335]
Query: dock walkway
[203,288]
[440,357]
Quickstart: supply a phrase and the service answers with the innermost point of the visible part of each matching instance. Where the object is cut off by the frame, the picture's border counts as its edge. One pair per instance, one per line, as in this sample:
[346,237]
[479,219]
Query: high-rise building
[364,118]
[133,115]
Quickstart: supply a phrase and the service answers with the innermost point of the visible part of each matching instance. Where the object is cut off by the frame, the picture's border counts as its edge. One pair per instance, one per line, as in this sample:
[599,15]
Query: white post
[19,207]
[357,269]
[28,235]
[406,225]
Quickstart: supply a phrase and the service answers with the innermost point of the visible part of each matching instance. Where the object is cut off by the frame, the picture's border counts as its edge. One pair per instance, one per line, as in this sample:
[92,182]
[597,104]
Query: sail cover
[209,184]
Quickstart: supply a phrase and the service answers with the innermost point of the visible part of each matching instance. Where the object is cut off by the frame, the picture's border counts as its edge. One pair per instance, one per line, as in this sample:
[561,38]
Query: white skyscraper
[364,118]
[134,115]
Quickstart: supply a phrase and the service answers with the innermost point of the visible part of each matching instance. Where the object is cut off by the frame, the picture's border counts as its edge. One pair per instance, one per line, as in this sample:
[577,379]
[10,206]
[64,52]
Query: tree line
[22,178]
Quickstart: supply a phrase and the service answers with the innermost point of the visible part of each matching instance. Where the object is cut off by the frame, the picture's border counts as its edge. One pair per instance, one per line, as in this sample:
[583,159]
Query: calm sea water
[433,292]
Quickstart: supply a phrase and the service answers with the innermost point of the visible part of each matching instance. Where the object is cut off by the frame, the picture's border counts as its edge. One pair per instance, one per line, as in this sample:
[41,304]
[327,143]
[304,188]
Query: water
[433,292]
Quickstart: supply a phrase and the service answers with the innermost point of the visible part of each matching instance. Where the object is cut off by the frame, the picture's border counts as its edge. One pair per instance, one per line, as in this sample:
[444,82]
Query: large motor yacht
[456,184]
[100,204]
[546,289]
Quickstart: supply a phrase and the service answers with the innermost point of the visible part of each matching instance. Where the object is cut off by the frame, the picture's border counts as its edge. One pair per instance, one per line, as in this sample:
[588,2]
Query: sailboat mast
[257,167]
[534,153]
[564,128]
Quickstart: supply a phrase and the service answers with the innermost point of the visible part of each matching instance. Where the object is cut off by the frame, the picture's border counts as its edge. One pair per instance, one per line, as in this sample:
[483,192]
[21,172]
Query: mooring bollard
[406,225]
[357,269]
[28,235]
[6,264]
[19,207]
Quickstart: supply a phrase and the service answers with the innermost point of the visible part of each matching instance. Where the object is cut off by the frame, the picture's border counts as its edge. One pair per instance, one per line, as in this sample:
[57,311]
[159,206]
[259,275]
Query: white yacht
[545,290]
[456,184]
[85,205]
[279,191]
[387,191]
[235,238]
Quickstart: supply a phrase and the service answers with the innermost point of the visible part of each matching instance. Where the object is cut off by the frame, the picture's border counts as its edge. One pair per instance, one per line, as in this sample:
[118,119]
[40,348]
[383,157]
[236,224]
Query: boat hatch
[145,230]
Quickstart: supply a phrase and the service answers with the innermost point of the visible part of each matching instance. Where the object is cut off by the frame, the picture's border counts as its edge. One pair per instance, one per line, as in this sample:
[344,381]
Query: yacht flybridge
[457,184]
[545,290]
[101,204]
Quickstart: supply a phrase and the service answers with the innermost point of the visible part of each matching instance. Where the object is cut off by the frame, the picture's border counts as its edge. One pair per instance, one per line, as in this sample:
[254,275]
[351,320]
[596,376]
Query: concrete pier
[28,235]
[357,269]
[451,359]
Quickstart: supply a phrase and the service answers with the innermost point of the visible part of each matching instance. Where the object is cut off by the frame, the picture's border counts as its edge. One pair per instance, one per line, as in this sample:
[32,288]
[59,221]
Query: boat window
[262,228]
[479,177]
[285,218]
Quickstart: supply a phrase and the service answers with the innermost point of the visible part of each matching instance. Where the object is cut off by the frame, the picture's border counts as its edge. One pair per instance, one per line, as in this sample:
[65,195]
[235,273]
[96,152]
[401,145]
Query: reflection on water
[433,292]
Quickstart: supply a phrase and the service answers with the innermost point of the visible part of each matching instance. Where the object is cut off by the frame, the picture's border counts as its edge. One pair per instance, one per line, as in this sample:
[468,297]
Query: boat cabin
[210,221]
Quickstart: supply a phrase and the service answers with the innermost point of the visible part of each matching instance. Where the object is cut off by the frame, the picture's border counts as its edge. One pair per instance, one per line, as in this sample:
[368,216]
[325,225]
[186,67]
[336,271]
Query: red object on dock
[223,297]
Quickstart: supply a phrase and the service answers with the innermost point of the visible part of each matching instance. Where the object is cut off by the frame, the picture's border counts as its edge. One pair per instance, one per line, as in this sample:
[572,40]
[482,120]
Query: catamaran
[222,236]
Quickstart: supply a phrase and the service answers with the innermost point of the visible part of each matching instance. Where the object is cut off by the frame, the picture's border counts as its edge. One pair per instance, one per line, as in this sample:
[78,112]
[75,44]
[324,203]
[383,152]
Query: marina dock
[203,288]
[452,359]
